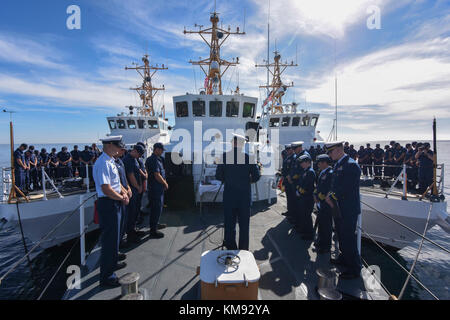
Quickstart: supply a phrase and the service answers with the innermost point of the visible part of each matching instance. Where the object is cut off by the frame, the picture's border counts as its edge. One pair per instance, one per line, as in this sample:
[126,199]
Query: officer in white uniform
[111,197]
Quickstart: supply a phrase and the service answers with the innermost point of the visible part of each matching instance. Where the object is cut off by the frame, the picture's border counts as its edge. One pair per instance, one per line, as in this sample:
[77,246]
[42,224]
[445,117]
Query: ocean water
[432,269]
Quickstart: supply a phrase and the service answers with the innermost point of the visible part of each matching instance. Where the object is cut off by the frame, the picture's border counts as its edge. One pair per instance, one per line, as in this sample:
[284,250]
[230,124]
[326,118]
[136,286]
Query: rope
[398,263]
[43,238]
[64,260]
[408,228]
[417,256]
[22,234]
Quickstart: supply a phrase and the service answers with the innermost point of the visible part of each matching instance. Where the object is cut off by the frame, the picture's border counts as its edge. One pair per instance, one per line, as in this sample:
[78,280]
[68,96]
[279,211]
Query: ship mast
[212,66]
[277,89]
[147,91]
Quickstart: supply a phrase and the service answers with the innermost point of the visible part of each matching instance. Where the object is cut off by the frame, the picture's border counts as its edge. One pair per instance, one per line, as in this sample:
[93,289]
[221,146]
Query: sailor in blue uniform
[134,180]
[86,158]
[20,166]
[27,170]
[111,197]
[415,167]
[44,163]
[237,173]
[296,169]
[65,164]
[75,153]
[143,177]
[387,160]
[344,198]
[53,164]
[290,192]
[378,155]
[369,151]
[352,152]
[157,184]
[346,147]
[399,157]
[324,216]
[425,157]
[363,159]
[34,168]
[305,198]
[126,188]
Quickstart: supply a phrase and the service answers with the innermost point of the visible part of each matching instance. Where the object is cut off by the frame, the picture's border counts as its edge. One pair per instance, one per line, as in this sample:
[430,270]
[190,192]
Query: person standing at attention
[111,197]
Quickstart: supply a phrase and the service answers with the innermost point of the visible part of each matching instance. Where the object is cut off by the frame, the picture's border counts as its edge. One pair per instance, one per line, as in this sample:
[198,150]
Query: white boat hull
[412,213]
[40,217]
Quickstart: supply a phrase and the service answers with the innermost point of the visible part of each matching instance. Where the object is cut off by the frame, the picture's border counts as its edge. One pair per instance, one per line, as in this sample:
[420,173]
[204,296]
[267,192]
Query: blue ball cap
[158,145]
[139,149]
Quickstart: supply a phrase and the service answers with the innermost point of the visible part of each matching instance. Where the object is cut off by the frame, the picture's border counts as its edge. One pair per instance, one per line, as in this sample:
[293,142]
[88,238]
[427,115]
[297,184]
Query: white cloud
[407,82]
[20,50]
[318,17]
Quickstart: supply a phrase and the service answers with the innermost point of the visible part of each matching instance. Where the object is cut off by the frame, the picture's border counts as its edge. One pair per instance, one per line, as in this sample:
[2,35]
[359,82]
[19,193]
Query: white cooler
[229,275]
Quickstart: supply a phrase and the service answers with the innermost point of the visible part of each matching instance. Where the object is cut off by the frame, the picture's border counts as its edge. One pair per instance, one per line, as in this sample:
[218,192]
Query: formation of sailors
[29,162]
[334,191]
[121,178]
[386,164]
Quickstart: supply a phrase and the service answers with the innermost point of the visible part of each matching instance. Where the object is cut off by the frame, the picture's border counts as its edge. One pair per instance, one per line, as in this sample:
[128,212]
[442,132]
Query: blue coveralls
[345,190]
[44,166]
[19,171]
[290,191]
[305,202]
[53,169]
[87,156]
[378,155]
[409,161]
[369,152]
[65,171]
[155,164]
[75,161]
[132,167]
[388,161]
[237,178]
[295,172]
[123,181]
[324,217]
[363,160]
[425,171]
[399,158]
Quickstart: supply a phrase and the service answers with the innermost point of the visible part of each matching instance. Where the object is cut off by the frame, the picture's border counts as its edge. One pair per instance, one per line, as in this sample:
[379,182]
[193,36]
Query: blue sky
[63,83]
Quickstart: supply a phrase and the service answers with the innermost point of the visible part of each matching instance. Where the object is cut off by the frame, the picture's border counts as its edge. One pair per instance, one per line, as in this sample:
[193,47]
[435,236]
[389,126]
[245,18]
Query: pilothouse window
[295,121]
[121,124]
[131,124]
[286,121]
[305,121]
[274,122]
[314,121]
[112,124]
[215,108]
[182,109]
[249,110]
[153,124]
[198,108]
[142,124]
[232,109]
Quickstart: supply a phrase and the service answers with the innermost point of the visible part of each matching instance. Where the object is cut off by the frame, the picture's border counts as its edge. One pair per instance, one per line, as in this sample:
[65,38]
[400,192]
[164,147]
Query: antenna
[212,66]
